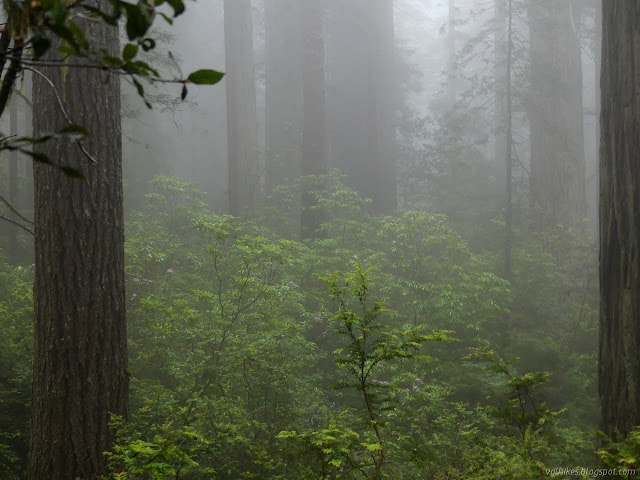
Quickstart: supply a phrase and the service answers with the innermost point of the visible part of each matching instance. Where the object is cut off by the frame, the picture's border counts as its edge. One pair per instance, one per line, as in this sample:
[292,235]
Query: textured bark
[314,154]
[242,121]
[80,364]
[619,365]
[283,85]
[556,114]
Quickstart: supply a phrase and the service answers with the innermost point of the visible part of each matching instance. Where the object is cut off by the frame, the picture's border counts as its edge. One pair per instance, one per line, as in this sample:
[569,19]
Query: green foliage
[45,23]
[56,18]
[236,349]
[341,207]
[622,456]
[370,343]
[16,353]
[170,454]
[337,449]
[233,336]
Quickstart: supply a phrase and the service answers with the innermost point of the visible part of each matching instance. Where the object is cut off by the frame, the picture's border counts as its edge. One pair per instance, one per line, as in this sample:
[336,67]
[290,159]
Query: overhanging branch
[15,211]
[61,107]
[17,224]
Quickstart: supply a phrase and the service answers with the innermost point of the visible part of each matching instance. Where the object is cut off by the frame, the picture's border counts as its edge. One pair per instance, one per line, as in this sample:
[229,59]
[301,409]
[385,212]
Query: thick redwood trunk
[80,364]
[619,367]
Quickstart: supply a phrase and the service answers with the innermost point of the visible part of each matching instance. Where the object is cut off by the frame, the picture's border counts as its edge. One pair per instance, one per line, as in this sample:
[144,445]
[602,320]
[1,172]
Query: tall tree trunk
[80,363]
[13,181]
[508,243]
[556,114]
[452,94]
[451,56]
[381,103]
[619,364]
[347,92]
[242,121]
[361,97]
[283,85]
[500,73]
[314,154]
[26,190]
[597,102]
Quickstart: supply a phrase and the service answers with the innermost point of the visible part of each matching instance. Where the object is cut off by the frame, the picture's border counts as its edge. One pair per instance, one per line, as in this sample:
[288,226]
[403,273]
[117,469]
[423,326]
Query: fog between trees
[370,251]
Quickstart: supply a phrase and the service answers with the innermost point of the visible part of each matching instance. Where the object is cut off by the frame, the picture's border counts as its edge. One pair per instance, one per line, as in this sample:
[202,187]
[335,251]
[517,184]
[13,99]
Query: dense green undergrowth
[380,348]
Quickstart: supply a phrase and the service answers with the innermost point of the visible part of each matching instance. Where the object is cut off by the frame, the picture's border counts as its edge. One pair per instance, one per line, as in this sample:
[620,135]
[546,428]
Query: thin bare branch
[61,106]
[115,69]
[17,224]
[23,97]
[14,210]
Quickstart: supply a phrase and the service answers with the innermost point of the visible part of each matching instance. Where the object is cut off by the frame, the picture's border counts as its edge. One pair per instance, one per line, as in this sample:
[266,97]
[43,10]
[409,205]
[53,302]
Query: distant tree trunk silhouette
[557,178]
[451,56]
[619,363]
[283,90]
[13,182]
[508,243]
[597,88]
[382,103]
[242,121]
[314,153]
[500,73]
[361,97]
[80,363]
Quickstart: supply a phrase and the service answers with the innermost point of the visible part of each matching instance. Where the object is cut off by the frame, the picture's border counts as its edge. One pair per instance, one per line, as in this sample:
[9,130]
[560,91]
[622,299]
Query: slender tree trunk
[26,190]
[508,243]
[80,363]
[242,121]
[619,365]
[13,182]
[314,154]
[283,84]
[451,54]
[452,95]
[500,73]
[556,114]
[597,101]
